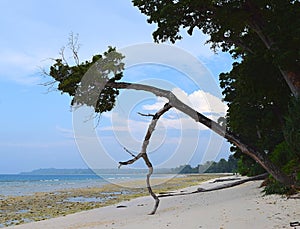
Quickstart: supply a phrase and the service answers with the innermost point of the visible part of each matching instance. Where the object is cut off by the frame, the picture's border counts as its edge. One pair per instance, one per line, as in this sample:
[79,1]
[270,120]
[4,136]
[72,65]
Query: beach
[242,206]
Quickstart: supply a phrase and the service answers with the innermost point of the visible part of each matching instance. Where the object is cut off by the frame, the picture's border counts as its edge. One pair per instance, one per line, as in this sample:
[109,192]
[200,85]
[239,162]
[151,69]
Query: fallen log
[228,185]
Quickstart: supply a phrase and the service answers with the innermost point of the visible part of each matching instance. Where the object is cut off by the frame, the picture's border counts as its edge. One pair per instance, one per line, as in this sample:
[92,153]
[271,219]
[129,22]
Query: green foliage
[292,127]
[248,167]
[283,156]
[222,166]
[185,169]
[274,187]
[257,99]
[235,25]
[298,178]
[87,82]
[265,35]
[286,154]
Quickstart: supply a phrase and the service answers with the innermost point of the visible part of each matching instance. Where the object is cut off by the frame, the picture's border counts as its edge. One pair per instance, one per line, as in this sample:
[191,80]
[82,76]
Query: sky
[39,129]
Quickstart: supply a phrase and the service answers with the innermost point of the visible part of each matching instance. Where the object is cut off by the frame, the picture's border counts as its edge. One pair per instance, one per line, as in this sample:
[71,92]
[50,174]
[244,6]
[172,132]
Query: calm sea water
[16,185]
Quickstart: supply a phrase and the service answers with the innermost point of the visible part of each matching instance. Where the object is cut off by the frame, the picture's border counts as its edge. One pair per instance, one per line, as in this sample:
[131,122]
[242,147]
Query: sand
[243,206]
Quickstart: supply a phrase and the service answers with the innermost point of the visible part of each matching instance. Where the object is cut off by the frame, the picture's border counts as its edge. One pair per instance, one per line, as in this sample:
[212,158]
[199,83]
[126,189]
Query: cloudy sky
[37,126]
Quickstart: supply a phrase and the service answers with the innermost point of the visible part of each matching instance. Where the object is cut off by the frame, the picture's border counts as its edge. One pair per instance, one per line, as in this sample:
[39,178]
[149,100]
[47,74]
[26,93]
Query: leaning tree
[97,83]
[251,30]
[263,88]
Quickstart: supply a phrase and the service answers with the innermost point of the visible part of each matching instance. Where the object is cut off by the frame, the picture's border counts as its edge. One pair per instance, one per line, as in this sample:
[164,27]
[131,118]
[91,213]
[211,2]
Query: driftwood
[225,179]
[238,182]
[258,177]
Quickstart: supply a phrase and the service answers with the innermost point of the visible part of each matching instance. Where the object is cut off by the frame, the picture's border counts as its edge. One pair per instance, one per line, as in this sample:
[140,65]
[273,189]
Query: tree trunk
[257,23]
[259,157]
[293,81]
[291,78]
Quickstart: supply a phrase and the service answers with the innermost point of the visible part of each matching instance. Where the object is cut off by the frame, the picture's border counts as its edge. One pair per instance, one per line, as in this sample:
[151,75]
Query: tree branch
[143,153]
[260,157]
[129,152]
[146,115]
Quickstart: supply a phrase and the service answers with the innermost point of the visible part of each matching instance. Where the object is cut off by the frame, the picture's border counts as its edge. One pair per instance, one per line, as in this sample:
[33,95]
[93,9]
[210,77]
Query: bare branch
[146,115]
[150,130]
[62,54]
[129,152]
[150,171]
[134,156]
[74,47]
[143,153]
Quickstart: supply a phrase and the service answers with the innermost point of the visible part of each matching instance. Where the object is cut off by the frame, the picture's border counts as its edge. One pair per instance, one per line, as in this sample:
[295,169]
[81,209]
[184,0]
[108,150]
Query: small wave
[51,180]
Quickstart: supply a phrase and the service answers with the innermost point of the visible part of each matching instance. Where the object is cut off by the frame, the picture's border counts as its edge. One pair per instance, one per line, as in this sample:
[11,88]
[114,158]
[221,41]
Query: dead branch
[129,152]
[62,54]
[143,153]
[146,115]
[74,47]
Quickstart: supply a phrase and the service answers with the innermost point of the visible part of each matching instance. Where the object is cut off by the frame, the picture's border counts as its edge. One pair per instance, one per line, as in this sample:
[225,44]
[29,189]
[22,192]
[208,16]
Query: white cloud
[204,102]
[156,106]
[201,101]
[19,67]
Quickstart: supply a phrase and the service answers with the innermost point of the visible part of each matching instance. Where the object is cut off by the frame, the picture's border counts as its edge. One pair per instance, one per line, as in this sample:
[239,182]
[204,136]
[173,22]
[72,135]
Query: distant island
[54,171]
[223,166]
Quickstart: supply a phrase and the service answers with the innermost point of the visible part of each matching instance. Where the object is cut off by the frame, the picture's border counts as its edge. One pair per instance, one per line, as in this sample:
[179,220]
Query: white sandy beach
[243,206]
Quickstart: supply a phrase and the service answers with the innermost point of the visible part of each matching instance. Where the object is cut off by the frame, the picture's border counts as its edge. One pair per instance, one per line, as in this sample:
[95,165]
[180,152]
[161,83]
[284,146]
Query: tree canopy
[242,27]
[95,92]
[264,37]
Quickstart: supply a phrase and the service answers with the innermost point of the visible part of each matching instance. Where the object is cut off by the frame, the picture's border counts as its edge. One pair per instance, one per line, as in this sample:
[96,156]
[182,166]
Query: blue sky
[37,125]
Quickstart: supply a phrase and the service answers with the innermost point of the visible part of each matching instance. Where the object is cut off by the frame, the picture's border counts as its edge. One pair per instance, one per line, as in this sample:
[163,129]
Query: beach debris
[121,206]
[223,186]
[295,224]
[226,179]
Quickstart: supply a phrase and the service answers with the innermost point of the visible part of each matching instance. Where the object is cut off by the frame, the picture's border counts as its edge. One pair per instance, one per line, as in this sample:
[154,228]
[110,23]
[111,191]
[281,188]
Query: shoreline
[241,206]
[17,210]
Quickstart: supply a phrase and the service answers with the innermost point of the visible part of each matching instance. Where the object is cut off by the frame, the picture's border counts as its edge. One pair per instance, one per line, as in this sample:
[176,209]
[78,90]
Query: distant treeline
[223,166]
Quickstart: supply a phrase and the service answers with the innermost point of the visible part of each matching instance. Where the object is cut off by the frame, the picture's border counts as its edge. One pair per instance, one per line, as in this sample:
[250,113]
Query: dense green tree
[257,105]
[237,26]
[265,37]
[223,166]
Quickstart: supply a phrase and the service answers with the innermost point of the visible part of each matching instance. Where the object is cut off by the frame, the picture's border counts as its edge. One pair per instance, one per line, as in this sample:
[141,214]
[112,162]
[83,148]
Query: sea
[24,184]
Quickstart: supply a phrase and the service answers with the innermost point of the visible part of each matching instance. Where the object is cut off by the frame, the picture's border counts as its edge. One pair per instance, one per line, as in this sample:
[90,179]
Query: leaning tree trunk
[293,81]
[257,23]
[260,157]
[292,78]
